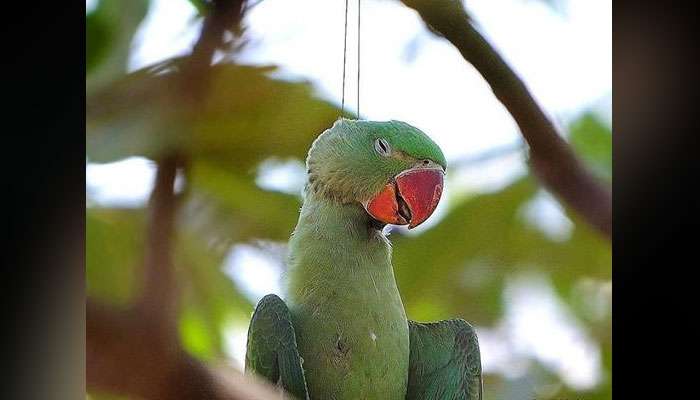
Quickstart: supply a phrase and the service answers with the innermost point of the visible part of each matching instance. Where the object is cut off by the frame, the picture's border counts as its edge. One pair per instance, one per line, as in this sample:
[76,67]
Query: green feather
[445,361]
[272,347]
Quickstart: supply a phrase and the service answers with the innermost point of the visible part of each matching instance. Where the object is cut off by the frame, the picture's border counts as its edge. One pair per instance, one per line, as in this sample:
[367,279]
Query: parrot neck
[334,240]
[332,220]
[345,306]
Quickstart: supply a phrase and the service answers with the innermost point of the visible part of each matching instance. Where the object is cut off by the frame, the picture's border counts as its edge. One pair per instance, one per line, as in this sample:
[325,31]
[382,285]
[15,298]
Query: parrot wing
[445,362]
[272,347]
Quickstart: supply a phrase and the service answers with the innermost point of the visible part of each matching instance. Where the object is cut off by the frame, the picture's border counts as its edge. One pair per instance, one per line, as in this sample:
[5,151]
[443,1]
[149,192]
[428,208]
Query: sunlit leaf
[113,249]
[209,298]
[197,334]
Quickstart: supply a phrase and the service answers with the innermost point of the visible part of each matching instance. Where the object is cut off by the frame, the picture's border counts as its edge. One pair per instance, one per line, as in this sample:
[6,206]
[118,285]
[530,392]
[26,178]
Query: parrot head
[392,168]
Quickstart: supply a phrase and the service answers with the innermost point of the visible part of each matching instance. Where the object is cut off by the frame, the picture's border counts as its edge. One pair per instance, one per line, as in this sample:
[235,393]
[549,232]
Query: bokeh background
[500,251]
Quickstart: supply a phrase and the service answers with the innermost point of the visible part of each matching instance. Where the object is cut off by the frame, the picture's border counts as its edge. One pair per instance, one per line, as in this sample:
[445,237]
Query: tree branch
[551,158]
[223,16]
[158,299]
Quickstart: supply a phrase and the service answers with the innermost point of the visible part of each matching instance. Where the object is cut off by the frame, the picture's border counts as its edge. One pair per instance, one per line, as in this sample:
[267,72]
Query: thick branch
[552,160]
[158,300]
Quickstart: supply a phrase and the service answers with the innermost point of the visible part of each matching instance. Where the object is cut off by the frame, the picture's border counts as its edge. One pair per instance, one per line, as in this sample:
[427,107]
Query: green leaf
[209,298]
[473,242]
[592,140]
[245,117]
[459,265]
[227,205]
[126,119]
[110,30]
[98,40]
[113,250]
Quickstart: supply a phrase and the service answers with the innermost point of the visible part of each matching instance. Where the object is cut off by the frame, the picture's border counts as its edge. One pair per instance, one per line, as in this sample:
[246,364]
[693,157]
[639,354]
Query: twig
[551,158]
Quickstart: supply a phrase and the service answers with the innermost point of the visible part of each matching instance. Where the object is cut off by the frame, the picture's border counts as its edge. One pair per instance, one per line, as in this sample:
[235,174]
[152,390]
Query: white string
[345,52]
[345,56]
[358,58]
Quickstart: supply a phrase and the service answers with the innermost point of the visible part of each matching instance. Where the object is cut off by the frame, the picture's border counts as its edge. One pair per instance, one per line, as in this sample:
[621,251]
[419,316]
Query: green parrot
[343,331]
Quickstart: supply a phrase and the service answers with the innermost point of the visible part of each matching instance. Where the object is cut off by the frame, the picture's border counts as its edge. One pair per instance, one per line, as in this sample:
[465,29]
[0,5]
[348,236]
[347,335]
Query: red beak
[409,199]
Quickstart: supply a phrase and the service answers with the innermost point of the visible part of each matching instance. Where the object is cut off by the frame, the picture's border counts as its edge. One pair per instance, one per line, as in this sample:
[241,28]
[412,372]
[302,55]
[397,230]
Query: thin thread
[358,58]
[345,52]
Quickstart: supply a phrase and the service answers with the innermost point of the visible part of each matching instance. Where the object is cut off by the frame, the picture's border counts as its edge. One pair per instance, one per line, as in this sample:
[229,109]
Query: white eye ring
[382,147]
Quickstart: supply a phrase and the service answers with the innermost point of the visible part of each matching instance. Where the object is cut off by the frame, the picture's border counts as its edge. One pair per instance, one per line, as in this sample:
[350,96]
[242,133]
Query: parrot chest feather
[348,316]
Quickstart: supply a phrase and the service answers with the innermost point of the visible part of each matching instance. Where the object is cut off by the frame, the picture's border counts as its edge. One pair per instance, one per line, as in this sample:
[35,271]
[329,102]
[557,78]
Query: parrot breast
[347,313]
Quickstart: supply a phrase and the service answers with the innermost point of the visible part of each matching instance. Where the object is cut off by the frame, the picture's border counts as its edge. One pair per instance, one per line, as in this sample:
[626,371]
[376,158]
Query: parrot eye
[382,147]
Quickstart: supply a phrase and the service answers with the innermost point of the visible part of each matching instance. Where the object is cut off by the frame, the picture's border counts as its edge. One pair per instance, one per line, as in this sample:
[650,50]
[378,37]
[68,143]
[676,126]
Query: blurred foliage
[109,30]
[246,117]
[114,244]
[593,140]
[458,268]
